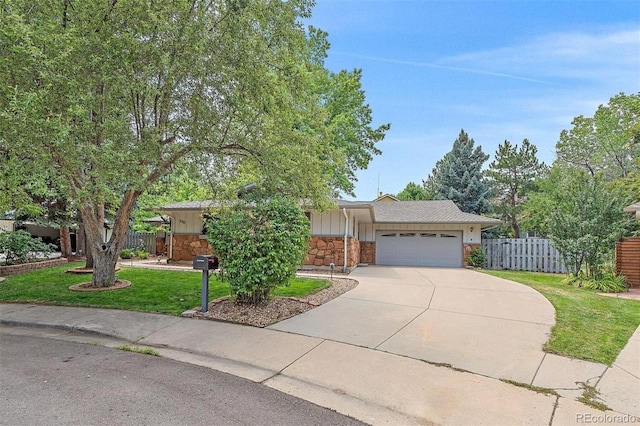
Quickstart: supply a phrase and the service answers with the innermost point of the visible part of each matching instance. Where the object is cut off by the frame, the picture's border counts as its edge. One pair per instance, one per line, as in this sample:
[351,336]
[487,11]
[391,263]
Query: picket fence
[523,254]
[141,240]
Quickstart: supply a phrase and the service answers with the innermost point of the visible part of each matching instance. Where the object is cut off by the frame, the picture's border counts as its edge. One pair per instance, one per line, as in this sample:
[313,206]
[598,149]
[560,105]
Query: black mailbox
[205,263]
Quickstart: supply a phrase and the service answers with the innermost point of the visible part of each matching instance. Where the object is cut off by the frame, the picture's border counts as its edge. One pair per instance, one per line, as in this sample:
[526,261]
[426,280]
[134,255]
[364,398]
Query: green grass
[138,349]
[152,290]
[301,287]
[588,326]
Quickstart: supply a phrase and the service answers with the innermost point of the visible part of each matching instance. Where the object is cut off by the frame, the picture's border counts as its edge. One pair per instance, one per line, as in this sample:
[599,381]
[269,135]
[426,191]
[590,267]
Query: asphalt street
[52,382]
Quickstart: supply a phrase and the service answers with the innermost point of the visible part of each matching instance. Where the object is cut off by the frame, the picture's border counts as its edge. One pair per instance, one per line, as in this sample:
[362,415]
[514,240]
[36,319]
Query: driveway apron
[469,320]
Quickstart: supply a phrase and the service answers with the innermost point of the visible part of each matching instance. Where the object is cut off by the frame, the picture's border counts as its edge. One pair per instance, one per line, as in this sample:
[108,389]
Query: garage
[419,248]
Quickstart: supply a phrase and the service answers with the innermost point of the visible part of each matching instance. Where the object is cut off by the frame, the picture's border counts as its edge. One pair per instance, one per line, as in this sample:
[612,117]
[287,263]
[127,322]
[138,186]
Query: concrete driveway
[469,320]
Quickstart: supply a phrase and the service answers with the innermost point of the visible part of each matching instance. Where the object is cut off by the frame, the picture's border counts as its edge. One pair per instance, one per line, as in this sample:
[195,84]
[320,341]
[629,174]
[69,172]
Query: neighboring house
[6,225]
[384,232]
[634,208]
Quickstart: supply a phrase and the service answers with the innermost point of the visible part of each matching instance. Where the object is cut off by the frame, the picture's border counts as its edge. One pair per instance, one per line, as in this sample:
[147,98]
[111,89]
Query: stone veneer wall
[368,252]
[466,251]
[186,247]
[160,247]
[32,266]
[323,251]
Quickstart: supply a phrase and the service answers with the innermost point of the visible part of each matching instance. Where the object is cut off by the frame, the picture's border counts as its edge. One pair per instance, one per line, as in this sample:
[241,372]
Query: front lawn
[152,290]
[588,326]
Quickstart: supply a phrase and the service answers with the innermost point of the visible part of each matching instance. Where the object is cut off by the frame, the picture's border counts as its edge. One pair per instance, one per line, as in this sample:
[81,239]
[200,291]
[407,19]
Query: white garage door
[419,248]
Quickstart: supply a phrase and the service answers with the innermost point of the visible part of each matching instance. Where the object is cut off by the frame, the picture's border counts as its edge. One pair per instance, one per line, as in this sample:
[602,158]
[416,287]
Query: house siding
[188,222]
[330,223]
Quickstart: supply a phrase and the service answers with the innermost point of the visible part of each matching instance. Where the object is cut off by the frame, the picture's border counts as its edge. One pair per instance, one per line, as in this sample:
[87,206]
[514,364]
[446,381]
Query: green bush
[259,246]
[19,247]
[126,254]
[604,281]
[141,254]
[477,258]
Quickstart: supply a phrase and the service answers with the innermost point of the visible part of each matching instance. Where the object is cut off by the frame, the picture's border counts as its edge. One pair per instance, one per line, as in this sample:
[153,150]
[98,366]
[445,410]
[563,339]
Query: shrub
[126,254]
[259,246]
[604,281]
[477,258]
[141,254]
[19,247]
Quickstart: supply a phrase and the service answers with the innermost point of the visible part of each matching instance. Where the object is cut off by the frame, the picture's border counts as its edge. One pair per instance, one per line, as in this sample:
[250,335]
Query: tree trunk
[88,253]
[65,241]
[516,228]
[81,241]
[105,253]
[104,266]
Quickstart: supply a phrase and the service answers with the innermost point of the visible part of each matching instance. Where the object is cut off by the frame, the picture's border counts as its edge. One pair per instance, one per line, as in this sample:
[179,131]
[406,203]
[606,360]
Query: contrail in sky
[444,67]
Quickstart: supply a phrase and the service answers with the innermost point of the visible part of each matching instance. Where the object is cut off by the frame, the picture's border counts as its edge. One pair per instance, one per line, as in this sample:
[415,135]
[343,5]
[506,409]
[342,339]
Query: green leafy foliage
[141,254]
[582,216]
[348,122]
[477,258]
[19,247]
[116,94]
[414,192]
[605,280]
[458,177]
[260,245]
[513,175]
[608,142]
[126,254]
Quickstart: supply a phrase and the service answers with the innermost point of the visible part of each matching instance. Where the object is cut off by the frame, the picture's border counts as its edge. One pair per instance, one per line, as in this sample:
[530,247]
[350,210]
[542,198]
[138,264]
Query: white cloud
[612,56]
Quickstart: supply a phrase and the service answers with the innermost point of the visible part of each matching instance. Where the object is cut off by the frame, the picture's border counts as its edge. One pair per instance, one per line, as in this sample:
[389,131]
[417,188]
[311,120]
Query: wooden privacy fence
[523,254]
[628,260]
[141,240]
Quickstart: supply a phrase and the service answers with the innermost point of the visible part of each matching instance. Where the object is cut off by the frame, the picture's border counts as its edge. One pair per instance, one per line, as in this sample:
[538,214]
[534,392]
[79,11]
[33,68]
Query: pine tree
[513,174]
[458,177]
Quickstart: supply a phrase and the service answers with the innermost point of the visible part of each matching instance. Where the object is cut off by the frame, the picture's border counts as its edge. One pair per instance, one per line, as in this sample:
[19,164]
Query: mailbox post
[205,264]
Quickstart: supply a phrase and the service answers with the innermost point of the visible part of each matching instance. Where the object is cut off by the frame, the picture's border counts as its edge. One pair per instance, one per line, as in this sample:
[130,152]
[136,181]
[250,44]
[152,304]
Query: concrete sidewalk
[373,386]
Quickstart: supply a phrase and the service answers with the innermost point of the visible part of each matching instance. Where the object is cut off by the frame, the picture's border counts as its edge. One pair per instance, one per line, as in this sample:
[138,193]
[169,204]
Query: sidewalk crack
[538,369]
[293,362]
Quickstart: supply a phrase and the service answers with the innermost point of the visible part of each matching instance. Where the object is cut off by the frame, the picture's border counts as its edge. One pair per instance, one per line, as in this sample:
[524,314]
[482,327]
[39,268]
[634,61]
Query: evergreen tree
[513,174]
[458,177]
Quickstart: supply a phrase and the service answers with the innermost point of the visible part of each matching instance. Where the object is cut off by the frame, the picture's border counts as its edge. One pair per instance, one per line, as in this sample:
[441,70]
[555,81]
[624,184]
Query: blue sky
[507,69]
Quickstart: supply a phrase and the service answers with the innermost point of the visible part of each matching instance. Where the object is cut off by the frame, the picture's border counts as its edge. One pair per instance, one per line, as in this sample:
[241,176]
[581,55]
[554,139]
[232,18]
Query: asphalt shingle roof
[435,211]
[187,205]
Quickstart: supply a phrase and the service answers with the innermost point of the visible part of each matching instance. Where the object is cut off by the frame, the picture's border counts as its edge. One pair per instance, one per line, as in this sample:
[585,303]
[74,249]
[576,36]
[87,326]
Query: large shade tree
[608,142]
[111,95]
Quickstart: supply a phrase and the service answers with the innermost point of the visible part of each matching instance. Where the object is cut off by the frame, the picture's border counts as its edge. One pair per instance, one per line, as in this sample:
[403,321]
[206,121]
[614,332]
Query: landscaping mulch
[276,310]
